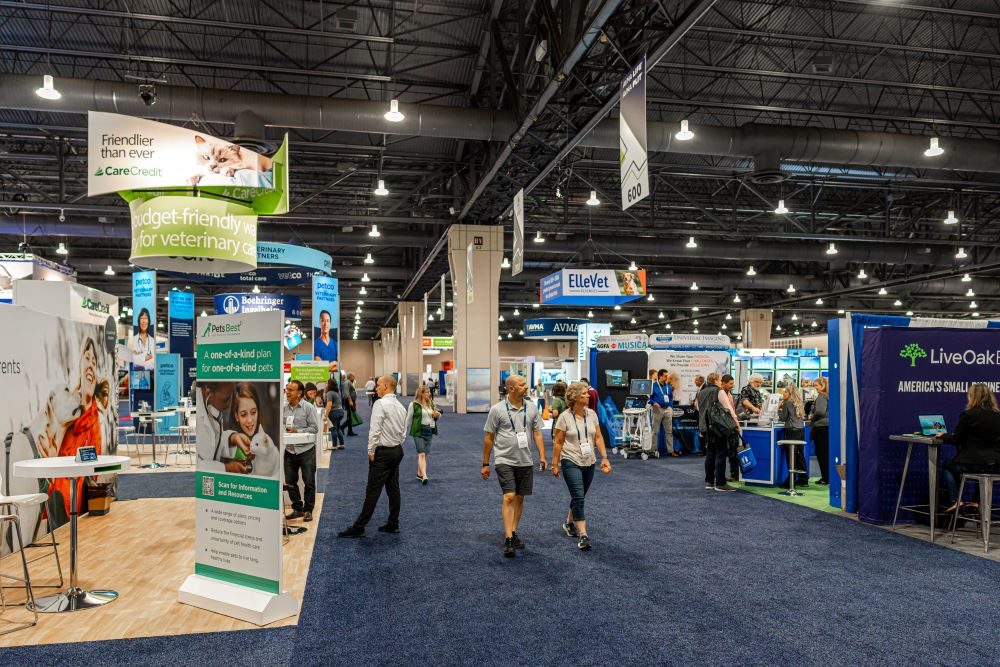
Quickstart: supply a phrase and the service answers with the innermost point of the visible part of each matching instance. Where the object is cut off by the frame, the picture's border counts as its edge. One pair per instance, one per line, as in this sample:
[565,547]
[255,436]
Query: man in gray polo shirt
[511,424]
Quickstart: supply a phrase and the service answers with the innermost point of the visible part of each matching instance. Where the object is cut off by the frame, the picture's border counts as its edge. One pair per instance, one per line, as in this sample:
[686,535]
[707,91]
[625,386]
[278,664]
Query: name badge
[289,422]
[586,449]
[522,440]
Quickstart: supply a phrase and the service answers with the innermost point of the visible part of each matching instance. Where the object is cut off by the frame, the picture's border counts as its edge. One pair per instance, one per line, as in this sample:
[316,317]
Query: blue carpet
[678,575]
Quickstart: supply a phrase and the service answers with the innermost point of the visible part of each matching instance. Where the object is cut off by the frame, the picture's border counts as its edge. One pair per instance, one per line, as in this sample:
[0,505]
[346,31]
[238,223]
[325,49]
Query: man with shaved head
[511,424]
[385,437]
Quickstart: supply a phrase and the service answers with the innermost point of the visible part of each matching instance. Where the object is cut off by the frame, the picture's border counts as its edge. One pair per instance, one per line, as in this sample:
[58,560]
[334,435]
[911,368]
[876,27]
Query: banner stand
[246,604]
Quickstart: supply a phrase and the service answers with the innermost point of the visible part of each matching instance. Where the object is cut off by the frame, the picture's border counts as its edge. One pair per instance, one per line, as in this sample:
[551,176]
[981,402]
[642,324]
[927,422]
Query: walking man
[509,426]
[350,399]
[385,453]
[300,417]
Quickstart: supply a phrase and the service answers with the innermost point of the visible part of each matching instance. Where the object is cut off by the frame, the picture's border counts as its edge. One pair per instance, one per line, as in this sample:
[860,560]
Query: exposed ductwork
[761,142]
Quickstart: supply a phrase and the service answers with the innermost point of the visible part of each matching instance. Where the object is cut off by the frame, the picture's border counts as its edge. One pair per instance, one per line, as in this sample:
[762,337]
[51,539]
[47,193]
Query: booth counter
[772,462]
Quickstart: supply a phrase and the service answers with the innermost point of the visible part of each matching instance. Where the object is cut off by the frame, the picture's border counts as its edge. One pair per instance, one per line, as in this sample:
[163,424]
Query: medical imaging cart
[636,435]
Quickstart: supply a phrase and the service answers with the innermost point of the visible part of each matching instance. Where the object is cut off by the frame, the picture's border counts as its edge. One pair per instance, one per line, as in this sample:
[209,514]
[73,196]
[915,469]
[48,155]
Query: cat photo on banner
[222,163]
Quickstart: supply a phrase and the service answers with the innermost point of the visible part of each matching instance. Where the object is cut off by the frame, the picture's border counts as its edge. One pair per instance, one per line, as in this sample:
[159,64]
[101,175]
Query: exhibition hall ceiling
[825,105]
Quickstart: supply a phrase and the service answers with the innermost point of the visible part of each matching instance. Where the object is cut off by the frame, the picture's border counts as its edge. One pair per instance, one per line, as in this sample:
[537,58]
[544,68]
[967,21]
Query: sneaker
[709,485]
[584,543]
[352,532]
[518,542]
[424,480]
[570,530]
[340,446]
[388,528]
[508,548]
[724,487]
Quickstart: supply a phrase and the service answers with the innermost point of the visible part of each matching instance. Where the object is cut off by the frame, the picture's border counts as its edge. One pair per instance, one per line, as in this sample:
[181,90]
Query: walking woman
[574,436]
[791,413]
[422,418]
[820,428]
[335,413]
[558,399]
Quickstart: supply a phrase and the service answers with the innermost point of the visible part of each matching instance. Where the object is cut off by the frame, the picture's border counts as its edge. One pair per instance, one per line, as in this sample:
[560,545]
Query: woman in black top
[977,437]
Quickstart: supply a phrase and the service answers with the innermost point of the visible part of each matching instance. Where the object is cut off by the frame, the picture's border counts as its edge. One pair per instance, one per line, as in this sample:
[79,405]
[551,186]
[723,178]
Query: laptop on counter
[931,425]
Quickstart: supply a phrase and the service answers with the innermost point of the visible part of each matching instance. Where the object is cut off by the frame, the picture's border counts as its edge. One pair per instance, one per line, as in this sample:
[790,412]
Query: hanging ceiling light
[520,332]
[777,328]
[393,115]
[558,193]
[590,313]
[695,322]
[667,326]
[796,332]
[430,318]
[48,90]
[538,237]
[751,272]
[691,243]
[61,250]
[934,149]
[369,259]
[363,290]
[632,321]
[695,309]
[966,278]
[794,317]
[617,307]
[159,325]
[861,274]
[976,314]
[840,312]
[729,316]
[696,330]
[909,313]
[380,190]
[593,201]
[256,289]
[365,278]
[694,286]
[685,133]
[501,317]
[632,266]
[961,254]
[897,303]
[650,297]
[970,293]
[781,210]
[660,316]
[358,309]
[110,271]
[791,288]
[724,327]
[814,325]
[534,305]
[951,219]
[374,233]
[516,312]
[832,250]
[505,264]
[973,304]
[736,299]
[204,314]
[510,335]
[819,301]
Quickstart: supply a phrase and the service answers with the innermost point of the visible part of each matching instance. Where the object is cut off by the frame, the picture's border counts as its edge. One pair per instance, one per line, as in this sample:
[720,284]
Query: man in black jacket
[707,396]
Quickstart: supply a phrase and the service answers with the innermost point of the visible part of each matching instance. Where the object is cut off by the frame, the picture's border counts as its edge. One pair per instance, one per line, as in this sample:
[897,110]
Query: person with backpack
[723,430]
[704,401]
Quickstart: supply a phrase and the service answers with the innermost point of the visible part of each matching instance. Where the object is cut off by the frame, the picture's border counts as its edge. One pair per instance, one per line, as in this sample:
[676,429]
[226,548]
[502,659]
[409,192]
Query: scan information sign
[238,515]
[592,287]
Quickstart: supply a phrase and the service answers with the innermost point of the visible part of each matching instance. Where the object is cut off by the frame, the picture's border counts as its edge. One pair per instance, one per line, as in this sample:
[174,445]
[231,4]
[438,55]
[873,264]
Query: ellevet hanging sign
[592,287]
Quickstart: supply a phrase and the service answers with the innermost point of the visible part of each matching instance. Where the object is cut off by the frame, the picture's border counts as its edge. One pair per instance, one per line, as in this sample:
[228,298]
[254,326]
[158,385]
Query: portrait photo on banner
[238,427]
[59,395]
[326,319]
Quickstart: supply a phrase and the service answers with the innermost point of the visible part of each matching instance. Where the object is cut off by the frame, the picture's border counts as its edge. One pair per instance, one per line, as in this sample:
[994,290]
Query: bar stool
[126,438]
[792,444]
[14,503]
[985,482]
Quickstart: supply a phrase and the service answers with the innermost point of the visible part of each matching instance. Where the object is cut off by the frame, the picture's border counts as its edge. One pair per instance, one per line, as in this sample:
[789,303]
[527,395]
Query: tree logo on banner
[912,352]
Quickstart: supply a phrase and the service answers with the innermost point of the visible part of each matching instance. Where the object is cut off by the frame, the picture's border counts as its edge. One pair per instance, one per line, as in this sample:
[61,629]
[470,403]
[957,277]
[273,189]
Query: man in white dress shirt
[385,452]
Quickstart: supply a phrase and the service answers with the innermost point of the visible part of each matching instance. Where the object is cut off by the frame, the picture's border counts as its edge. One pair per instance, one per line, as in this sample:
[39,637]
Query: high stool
[985,482]
[10,506]
[792,444]
[126,437]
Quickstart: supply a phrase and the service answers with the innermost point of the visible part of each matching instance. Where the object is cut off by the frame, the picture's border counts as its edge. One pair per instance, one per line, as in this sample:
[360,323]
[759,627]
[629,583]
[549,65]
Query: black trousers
[382,472]
[347,426]
[821,441]
[306,464]
[716,455]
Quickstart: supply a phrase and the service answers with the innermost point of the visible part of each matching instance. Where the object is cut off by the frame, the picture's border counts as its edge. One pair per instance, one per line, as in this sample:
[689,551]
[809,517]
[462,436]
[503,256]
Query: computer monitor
[641,387]
[616,378]
[932,424]
[635,402]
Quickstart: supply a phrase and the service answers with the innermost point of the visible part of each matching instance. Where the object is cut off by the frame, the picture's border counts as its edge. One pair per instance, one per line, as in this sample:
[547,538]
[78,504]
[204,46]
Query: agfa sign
[623,343]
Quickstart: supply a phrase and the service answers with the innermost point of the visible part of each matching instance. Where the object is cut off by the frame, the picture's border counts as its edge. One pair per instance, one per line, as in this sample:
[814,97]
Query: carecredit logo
[133,170]
[221,329]
[96,306]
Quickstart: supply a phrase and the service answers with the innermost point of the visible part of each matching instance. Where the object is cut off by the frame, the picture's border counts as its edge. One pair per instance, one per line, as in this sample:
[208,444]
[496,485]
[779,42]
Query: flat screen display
[616,378]
[141,380]
[809,363]
[641,387]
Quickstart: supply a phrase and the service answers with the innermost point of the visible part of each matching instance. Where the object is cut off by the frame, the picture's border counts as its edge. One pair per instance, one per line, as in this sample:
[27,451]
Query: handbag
[546,414]
[745,456]
[356,419]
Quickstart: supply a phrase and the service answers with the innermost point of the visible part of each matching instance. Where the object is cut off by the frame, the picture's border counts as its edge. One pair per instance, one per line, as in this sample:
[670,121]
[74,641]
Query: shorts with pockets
[515,479]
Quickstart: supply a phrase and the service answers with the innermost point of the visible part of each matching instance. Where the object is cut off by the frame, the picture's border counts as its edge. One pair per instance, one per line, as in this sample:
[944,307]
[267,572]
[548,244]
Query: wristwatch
[486,465]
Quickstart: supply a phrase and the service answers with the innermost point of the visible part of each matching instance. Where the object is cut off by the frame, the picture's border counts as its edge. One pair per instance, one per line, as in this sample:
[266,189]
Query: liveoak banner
[632,155]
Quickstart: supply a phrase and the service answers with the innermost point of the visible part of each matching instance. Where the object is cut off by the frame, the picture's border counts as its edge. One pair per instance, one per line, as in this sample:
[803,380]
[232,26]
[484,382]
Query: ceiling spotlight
[696,329]
[256,289]
[791,288]
[660,316]
[650,297]
[632,266]
[358,309]
[975,314]
[558,193]
[501,317]
[695,322]
[691,243]
[365,278]
[961,254]
[751,272]
[781,210]
[685,133]
[909,313]
[593,201]
[814,325]
[363,290]
[729,316]
[882,291]
[951,219]
[973,304]
[159,325]
[819,301]
[970,293]
[451,210]
[516,312]
[934,149]
[796,332]
[510,335]
[861,274]
[966,278]
[724,326]
[393,115]
[897,303]
[694,286]
[505,264]
[61,250]
[369,259]
[48,90]
[617,307]
[590,313]
[695,309]
[794,317]
[832,250]
[667,326]
[840,312]
[534,305]
[520,332]
[632,321]
[736,299]
[777,328]
[380,190]
[204,314]
[110,271]
[374,233]
[538,237]
[450,304]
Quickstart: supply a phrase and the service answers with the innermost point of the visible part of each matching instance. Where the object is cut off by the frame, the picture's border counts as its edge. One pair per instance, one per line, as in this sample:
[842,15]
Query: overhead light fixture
[667,326]
[534,305]
[510,335]
[617,307]
[393,115]
[832,250]
[520,332]
[363,291]
[840,312]
[593,201]
[934,149]
[724,327]
[538,237]
[501,317]
[736,299]
[781,210]
[819,301]
[909,313]
[365,278]
[951,219]
[358,309]
[374,233]
[650,297]
[729,316]
[48,90]
[791,288]
[369,259]
[814,325]
[961,254]
[695,309]
[777,328]
[695,322]
[862,275]
[516,312]
[970,293]
[110,271]
[696,330]
[660,316]
[796,332]
[590,313]
[976,314]
[882,291]
[505,264]
[694,286]
[973,304]
[897,303]
[751,272]
[685,133]
[966,278]
[204,314]
[632,321]
[794,317]
[558,193]
[449,304]
[61,250]
[256,289]
[691,243]
[632,266]
[380,190]
[159,325]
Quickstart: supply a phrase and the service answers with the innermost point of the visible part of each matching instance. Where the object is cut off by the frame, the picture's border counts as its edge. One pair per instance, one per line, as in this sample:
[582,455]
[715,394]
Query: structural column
[411,349]
[755,324]
[390,350]
[474,255]
[379,361]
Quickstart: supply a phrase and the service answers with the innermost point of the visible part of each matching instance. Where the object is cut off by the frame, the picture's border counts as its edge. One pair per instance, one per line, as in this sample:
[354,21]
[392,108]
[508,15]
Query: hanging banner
[518,261]
[438,342]
[632,153]
[275,277]
[561,328]
[231,304]
[294,255]
[592,287]
[326,318]
[441,307]
[180,323]
[587,335]
[469,285]
[167,394]
[143,343]
[238,503]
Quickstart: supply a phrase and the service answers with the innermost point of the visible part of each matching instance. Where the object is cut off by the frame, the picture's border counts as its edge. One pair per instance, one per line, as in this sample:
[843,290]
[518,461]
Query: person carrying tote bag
[421,420]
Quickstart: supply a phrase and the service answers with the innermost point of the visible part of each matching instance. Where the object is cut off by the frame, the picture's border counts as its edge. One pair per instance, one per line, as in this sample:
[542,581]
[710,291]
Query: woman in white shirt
[143,345]
[574,436]
[421,419]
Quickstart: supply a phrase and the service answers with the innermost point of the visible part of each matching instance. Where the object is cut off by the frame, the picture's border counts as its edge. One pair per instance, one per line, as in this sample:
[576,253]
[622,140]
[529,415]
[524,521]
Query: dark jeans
[578,479]
[306,463]
[336,427]
[382,472]
[371,399]
[821,442]
[346,425]
[953,472]
[716,455]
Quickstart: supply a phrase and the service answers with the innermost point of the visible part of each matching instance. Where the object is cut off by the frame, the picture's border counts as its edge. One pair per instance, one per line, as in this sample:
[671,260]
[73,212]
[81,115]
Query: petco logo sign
[623,343]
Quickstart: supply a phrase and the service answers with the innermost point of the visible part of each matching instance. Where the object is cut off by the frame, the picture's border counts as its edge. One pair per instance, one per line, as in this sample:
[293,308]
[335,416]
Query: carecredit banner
[592,287]
[231,304]
[553,327]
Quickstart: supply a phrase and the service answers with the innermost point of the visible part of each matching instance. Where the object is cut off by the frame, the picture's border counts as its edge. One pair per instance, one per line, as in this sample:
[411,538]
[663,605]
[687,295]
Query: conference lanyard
[522,437]
[585,447]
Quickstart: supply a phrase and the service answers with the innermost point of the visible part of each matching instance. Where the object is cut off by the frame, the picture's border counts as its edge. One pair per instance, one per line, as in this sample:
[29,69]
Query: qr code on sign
[207,486]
